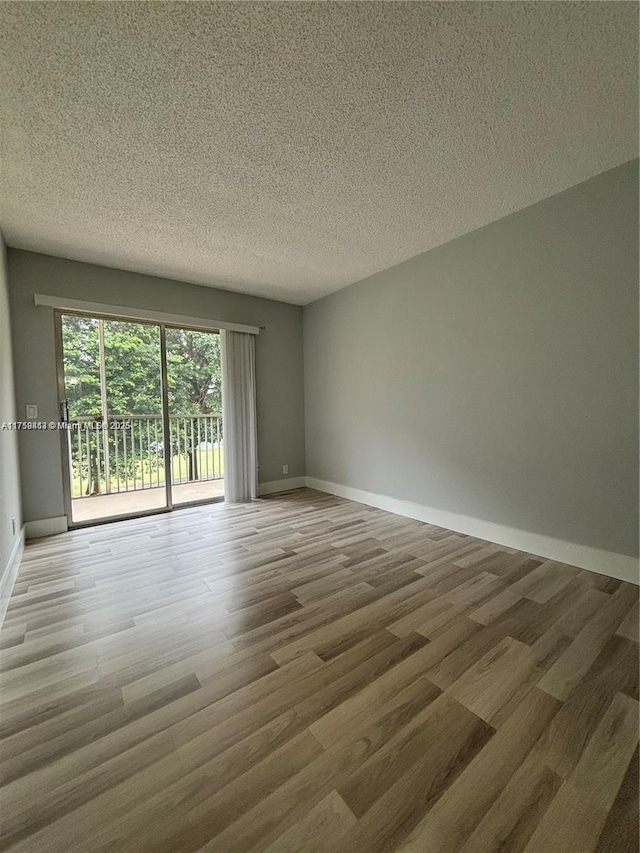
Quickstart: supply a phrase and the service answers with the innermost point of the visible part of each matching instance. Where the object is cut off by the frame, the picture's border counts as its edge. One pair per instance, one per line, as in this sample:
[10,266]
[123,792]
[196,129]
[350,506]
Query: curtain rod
[62,303]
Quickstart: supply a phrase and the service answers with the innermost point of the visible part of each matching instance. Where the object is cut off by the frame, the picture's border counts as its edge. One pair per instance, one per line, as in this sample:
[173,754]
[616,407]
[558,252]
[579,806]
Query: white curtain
[238,357]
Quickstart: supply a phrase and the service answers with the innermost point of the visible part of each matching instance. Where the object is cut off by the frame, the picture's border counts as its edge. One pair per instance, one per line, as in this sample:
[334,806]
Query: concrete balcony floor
[142,500]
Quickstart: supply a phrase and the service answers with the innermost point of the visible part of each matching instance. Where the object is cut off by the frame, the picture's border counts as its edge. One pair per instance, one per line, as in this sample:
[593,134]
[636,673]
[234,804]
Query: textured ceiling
[287,150]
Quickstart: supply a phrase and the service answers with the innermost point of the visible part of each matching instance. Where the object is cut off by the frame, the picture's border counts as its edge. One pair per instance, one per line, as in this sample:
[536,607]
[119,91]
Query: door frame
[65,434]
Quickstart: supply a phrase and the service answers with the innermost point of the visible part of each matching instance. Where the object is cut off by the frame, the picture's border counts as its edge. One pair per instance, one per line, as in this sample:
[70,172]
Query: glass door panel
[113,388]
[194,394]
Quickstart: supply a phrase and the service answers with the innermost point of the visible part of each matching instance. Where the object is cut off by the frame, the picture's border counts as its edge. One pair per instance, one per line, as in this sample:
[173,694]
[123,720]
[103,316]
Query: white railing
[112,460]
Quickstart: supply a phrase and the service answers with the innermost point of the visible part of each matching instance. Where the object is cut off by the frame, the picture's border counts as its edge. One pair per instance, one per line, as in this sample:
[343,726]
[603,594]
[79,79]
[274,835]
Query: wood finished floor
[309,674]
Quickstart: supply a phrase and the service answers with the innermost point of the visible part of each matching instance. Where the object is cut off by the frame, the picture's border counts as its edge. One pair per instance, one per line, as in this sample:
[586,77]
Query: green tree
[133,373]
[132,366]
[81,365]
[194,383]
[132,360]
[193,372]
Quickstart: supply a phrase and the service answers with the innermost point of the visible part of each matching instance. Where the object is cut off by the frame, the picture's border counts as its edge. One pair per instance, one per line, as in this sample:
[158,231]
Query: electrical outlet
[13,526]
[32,413]
[285,469]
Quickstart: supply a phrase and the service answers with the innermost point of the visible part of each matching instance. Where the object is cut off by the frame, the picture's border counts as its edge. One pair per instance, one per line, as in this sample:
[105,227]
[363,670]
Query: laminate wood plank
[357,677]
[488,684]
[614,670]
[291,801]
[448,577]
[364,557]
[295,625]
[630,624]
[577,815]
[321,690]
[243,754]
[514,816]
[70,741]
[460,598]
[495,606]
[439,618]
[27,814]
[12,635]
[337,724]
[406,796]
[233,592]
[575,617]
[545,581]
[422,616]
[149,822]
[605,760]
[257,615]
[207,666]
[135,665]
[21,714]
[451,820]
[557,577]
[393,580]
[320,829]
[571,667]
[431,740]
[37,675]
[474,590]
[468,652]
[238,714]
[445,553]
[509,564]
[326,585]
[478,556]
[32,649]
[381,611]
[548,648]
[571,823]
[211,814]
[385,565]
[332,649]
[304,672]
[24,733]
[527,621]
[415,535]
[518,569]
[605,584]
[216,808]
[620,833]
[119,742]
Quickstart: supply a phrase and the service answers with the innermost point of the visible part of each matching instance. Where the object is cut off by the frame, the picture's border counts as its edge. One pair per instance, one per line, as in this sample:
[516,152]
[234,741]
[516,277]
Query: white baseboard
[10,574]
[613,565]
[46,527]
[619,566]
[281,485]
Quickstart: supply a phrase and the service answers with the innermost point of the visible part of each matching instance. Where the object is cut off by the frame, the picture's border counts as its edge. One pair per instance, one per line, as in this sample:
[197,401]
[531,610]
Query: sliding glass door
[142,405]
[194,395]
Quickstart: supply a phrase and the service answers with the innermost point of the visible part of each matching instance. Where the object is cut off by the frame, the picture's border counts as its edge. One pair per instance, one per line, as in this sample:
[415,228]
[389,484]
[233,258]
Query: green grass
[179,466]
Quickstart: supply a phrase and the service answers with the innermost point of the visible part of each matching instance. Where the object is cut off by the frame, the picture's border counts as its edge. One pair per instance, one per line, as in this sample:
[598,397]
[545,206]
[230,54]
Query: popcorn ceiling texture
[287,150]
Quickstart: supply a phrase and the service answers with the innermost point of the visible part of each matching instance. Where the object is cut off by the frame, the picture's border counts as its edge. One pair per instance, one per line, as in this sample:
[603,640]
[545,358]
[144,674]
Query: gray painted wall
[9,473]
[495,376]
[278,360]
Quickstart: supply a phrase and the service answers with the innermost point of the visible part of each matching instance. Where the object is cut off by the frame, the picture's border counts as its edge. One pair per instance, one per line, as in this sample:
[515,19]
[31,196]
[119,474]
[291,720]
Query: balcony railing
[109,461]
